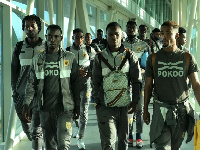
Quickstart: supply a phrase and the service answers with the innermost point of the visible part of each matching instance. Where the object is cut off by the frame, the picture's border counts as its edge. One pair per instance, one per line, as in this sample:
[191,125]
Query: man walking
[172,112]
[54,82]
[21,60]
[112,116]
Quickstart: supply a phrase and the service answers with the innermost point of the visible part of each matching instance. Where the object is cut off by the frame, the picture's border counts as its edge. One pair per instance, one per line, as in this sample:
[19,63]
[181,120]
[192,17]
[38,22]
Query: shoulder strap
[187,57]
[124,60]
[88,49]
[100,56]
[19,47]
[68,48]
[153,62]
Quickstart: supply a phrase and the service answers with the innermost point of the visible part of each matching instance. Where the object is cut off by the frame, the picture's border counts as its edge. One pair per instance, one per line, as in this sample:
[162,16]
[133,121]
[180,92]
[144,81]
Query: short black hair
[32,17]
[181,30]
[112,24]
[171,23]
[88,34]
[99,30]
[54,26]
[156,30]
[77,30]
[143,25]
[131,22]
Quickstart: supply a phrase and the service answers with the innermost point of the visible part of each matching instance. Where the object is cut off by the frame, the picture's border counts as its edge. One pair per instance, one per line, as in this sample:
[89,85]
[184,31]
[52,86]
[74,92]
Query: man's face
[143,31]
[53,38]
[88,39]
[156,35]
[182,39]
[78,38]
[168,36]
[131,30]
[31,29]
[114,36]
[99,35]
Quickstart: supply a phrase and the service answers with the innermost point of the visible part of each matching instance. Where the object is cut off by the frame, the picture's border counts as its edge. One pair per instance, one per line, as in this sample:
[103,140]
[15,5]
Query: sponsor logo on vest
[139,48]
[66,62]
[84,54]
[170,69]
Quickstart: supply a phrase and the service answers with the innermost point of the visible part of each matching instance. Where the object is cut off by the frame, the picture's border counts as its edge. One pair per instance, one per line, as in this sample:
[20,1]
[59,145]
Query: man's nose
[30,28]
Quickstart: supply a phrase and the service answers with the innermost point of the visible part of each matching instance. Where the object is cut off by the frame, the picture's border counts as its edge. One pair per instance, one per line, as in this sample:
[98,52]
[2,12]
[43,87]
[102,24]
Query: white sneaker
[80,144]
[75,134]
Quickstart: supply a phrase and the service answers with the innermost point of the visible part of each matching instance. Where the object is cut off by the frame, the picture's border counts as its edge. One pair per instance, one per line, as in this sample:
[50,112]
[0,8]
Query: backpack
[115,84]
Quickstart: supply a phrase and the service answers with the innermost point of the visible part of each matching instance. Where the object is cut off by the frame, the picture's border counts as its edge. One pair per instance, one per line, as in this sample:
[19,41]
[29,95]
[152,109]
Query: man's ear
[106,36]
[72,37]
[61,37]
[177,36]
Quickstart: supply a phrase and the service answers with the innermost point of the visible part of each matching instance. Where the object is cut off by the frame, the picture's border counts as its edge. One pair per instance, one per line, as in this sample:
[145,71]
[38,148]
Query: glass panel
[104,20]
[1,110]
[92,12]
[17,36]
[23,4]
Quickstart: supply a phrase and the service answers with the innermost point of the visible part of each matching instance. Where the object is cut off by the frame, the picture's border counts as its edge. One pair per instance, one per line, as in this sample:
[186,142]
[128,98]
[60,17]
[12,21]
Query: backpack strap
[100,56]
[153,63]
[125,59]
[88,49]
[187,57]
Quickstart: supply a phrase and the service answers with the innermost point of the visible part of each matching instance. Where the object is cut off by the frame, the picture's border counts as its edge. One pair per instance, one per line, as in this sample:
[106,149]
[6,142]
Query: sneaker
[139,143]
[75,134]
[80,144]
[130,141]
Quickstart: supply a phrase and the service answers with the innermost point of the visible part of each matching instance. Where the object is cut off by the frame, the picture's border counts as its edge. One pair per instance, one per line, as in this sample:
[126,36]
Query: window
[92,12]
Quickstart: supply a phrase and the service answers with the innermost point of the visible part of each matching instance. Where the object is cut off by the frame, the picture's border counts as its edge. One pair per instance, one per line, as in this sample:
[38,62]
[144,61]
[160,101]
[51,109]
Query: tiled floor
[92,140]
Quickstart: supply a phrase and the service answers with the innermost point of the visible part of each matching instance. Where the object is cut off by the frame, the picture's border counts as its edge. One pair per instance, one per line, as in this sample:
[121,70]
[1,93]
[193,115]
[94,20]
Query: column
[98,18]
[9,115]
[40,13]
[51,11]
[82,15]
[60,16]
[71,22]
[175,10]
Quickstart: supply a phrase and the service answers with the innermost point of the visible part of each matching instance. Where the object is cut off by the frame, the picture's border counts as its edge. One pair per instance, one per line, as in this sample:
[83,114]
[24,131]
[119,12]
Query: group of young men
[52,86]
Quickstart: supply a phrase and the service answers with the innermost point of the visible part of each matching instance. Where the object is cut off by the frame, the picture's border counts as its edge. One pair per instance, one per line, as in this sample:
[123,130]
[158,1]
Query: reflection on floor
[92,139]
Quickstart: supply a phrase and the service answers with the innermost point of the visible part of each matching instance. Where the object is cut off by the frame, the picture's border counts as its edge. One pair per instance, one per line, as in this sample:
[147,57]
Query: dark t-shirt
[170,75]
[52,89]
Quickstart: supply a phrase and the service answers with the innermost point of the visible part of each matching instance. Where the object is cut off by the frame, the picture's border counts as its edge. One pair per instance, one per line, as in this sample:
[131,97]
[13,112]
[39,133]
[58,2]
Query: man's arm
[147,95]
[75,88]
[29,92]
[195,85]
[15,70]
[136,81]
[97,79]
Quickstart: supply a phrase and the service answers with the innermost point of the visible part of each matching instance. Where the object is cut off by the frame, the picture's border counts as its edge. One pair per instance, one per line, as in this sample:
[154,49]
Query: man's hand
[76,112]
[146,117]
[82,72]
[132,107]
[26,113]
